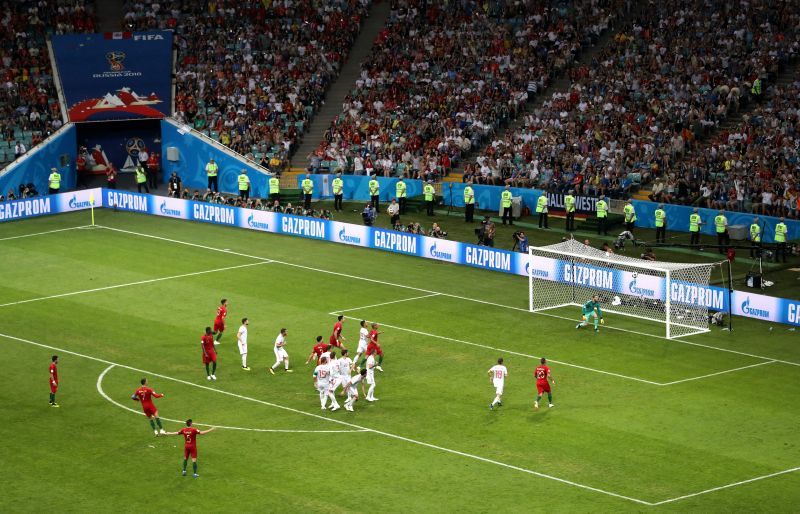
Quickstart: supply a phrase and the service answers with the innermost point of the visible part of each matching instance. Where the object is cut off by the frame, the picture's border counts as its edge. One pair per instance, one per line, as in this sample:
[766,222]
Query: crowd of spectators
[753,167]
[29,108]
[443,76]
[635,113]
[251,74]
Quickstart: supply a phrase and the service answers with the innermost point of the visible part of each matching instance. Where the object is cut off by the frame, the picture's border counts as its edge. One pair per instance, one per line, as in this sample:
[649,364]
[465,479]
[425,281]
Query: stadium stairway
[344,83]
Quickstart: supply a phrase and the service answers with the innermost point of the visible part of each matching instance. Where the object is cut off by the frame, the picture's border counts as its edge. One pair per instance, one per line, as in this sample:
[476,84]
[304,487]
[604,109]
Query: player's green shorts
[589,312]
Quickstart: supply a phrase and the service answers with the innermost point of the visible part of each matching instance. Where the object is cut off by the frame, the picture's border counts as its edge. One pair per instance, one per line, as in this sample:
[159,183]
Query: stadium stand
[251,76]
[442,77]
[29,108]
[639,108]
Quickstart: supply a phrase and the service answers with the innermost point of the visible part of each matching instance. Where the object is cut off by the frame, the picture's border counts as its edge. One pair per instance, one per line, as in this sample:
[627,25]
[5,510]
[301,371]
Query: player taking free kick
[591,308]
[219,320]
[145,395]
[209,353]
[543,381]
[497,375]
[190,434]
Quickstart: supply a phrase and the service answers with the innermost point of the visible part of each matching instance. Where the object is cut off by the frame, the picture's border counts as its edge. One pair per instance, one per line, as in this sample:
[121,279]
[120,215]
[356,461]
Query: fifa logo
[115,60]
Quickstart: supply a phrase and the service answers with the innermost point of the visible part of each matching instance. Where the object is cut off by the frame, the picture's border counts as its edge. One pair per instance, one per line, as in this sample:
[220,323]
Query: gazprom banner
[51,204]
[115,76]
[615,281]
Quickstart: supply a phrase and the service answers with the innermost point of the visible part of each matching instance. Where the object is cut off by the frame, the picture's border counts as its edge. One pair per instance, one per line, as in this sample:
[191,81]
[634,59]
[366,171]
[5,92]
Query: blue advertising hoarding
[113,76]
[743,303]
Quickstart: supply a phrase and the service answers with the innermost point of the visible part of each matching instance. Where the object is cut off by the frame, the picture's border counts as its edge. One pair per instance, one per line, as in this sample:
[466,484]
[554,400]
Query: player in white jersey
[363,340]
[497,376]
[241,340]
[322,381]
[352,389]
[280,353]
[343,367]
[371,364]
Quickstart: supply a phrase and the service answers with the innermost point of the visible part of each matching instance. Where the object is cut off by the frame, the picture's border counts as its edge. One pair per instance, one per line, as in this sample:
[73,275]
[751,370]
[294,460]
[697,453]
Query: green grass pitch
[641,424]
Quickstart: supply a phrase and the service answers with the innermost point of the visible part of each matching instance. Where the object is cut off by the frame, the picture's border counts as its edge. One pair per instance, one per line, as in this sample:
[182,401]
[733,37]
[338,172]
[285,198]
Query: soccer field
[640,423]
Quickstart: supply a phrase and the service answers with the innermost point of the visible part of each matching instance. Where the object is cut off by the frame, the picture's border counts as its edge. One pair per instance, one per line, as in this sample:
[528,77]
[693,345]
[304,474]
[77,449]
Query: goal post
[570,273]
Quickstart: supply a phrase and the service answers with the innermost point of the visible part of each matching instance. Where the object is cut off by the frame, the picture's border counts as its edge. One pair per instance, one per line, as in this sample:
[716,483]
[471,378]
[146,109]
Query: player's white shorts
[370,376]
[242,347]
[498,388]
[362,347]
[322,388]
[280,353]
[352,391]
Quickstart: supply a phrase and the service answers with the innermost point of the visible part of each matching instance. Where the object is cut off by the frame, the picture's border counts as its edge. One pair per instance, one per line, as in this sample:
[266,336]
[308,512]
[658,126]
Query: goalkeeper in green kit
[592,309]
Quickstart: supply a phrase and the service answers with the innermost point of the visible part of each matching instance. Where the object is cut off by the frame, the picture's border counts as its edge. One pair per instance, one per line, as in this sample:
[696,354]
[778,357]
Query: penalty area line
[179,421]
[384,303]
[339,422]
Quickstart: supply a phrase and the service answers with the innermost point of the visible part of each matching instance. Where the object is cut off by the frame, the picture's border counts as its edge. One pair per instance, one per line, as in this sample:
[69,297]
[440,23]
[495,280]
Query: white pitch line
[137,283]
[344,423]
[43,233]
[727,486]
[460,341]
[484,302]
[179,421]
[384,303]
[717,373]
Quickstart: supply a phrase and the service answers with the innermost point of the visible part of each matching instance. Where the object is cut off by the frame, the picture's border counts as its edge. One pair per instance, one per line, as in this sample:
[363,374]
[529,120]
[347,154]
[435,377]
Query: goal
[570,272]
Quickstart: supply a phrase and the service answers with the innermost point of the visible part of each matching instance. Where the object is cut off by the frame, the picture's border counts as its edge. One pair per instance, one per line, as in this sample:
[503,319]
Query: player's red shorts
[190,450]
[373,348]
[334,342]
[209,357]
[53,388]
[543,387]
[150,410]
[219,325]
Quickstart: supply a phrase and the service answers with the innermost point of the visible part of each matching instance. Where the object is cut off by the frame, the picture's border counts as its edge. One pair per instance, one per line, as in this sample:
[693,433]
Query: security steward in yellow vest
[400,192]
[212,170]
[602,215]
[630,216]
[244,185]
[505,202]
[141,179]
[54,181]
[721,227]
[374,193]
[430,197]
[755,238]
[695,221]
[781,231]
[308,190]
[569,206]
[541,210]
[661,224]
[469,203]
[338,192]
[274,188]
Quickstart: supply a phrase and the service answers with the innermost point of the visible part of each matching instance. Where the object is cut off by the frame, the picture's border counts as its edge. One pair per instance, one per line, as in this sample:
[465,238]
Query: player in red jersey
[219,321]
[337,337]
[373,347]
[190,434]
[145,395]
[543,381]
[318,350]
[53,380]
[209,353]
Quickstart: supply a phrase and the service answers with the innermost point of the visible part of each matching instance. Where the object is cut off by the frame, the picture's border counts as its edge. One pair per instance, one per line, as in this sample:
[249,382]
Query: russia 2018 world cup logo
[115,60]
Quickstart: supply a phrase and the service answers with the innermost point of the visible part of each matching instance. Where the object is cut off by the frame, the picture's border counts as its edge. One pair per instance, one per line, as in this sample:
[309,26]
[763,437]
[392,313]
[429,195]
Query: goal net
[570,273]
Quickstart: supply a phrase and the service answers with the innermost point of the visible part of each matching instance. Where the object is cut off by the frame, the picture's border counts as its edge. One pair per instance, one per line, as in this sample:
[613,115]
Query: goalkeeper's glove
[602,321]
[583,318]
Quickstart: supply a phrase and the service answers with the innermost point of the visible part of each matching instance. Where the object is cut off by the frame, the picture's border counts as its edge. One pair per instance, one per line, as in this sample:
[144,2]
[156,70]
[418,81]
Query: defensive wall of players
[743,303]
